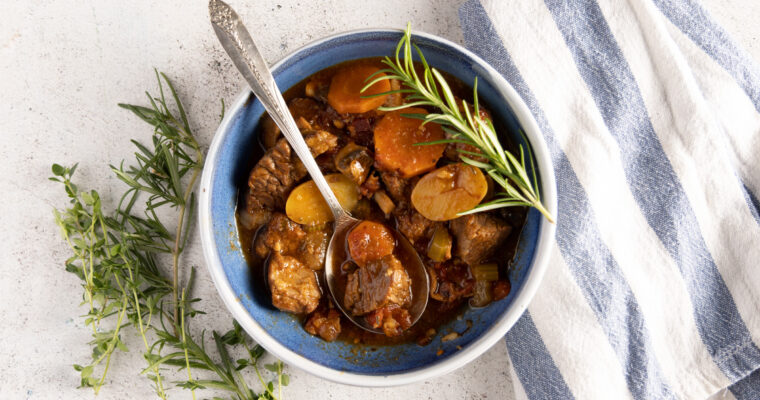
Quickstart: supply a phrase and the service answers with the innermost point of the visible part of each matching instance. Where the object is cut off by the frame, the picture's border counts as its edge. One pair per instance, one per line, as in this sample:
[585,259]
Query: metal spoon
[245,55]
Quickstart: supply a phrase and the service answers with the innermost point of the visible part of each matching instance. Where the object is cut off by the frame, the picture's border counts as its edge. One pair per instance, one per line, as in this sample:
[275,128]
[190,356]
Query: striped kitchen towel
[652,117]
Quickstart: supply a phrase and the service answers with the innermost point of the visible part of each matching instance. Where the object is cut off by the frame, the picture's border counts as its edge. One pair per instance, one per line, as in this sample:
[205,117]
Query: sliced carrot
[345,94]
[395,139]
[370,241]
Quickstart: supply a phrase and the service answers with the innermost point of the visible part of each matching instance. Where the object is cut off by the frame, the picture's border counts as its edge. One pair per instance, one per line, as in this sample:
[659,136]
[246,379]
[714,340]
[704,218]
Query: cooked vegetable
[306,206]
[482,294]
[345,94]
[369,241]
[385,202]
[444,193]
[354,162]
[486,272]
[501,289]
[395,140]
[439,248]
[429,88]
[449,337]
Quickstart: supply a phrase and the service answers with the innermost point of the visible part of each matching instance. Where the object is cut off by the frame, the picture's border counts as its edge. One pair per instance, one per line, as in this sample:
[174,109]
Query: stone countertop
[63,68]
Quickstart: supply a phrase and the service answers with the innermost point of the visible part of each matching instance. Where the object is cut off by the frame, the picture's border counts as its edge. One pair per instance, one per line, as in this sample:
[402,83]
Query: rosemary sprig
[117,256]
[463,126]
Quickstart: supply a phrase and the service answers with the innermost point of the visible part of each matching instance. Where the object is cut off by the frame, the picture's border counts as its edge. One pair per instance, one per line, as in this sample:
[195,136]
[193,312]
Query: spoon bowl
[335,278]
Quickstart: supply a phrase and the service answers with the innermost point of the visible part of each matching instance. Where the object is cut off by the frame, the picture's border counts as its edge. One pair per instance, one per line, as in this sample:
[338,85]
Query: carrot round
[395,139]
[345,94]
[370,241]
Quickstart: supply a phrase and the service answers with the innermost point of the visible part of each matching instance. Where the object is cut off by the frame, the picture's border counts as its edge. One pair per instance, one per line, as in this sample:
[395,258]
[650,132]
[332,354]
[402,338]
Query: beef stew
[374,156]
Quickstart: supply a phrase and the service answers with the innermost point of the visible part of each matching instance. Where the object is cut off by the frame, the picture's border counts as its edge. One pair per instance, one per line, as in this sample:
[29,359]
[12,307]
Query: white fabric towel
[652,115]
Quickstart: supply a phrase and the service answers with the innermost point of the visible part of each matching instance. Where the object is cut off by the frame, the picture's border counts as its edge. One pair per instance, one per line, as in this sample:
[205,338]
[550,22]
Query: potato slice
[306,206]
[442,194]
[395,139]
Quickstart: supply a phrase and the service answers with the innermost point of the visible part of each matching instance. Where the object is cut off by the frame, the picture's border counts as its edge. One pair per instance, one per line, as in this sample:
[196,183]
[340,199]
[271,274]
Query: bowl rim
[475,348]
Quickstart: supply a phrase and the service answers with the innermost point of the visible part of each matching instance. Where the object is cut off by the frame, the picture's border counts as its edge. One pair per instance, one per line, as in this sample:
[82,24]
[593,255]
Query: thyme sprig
[462,126]
[117,256]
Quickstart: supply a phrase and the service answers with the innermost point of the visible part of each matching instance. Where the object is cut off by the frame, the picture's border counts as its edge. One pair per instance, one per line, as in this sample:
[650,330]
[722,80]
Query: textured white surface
[64,66]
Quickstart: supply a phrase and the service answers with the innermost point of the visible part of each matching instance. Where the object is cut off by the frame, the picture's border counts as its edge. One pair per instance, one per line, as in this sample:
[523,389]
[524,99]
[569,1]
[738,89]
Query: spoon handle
[246,56]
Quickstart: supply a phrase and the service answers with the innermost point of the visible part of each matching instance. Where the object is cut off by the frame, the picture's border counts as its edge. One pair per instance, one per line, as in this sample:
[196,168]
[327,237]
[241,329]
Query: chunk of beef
[392,319]
[453,151]
[317,115]
[253,220]
[396,186]
[379,283]
[277,172]
[478,236]
[286,237]
[325,323]
[370,185]
[313,249]
[450,281]
[307,114]
[415,227]
[361,130]
[272,178]
[319,142]
[293,285]
[304,107]
[281,235]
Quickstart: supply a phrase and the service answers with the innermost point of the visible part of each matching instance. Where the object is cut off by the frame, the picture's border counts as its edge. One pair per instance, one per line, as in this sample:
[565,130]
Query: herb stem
[111,346]
[178,239]
[142,327]
[184,344]
[185,198]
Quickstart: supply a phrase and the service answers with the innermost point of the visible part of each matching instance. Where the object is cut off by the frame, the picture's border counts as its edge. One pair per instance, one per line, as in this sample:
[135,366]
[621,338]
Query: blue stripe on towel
[653,182]
[754,205]
[696,23]
[533,362]
[747,388]
[588,258]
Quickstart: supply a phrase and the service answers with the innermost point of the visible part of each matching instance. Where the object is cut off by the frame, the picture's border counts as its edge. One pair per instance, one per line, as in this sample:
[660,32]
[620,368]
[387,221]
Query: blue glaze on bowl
[230,160]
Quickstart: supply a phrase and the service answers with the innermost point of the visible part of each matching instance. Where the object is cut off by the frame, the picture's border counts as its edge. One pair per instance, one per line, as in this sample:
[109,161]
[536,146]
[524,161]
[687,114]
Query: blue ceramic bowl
[280,333]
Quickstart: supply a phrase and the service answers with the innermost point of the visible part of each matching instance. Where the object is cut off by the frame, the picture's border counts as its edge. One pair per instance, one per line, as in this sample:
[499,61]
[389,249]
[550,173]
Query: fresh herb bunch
[462,126]
[118,255]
